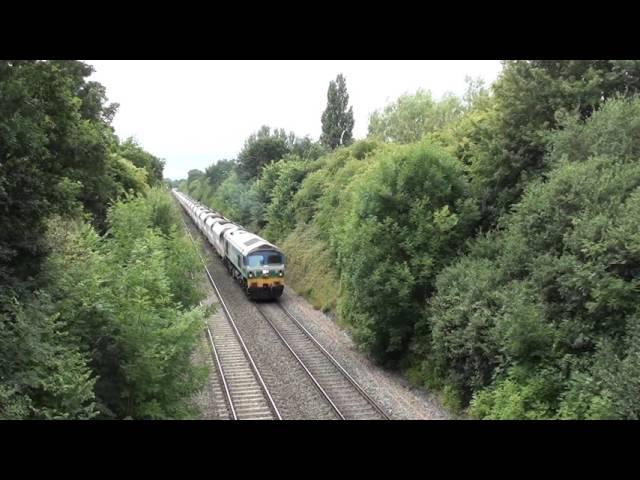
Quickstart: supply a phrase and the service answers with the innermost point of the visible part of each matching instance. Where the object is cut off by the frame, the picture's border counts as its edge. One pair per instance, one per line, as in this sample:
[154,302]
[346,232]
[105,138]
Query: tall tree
[194,174]
[531,97]
[55,138]
[261,149]
[411,116]
[217,172]
[132,151]
[337,121]
[305,148]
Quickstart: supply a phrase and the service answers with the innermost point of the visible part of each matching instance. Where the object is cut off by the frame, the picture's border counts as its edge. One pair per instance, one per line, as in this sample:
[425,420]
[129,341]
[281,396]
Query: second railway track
[347,398]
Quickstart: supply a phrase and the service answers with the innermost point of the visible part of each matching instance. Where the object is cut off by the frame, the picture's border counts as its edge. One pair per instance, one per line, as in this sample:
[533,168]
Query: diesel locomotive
[257,265]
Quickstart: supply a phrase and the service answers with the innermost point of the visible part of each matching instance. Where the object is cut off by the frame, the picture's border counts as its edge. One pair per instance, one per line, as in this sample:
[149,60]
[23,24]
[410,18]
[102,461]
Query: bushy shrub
[559,287]
[278,185]
[129,301]
[43,373]
[519,396]
[407,218]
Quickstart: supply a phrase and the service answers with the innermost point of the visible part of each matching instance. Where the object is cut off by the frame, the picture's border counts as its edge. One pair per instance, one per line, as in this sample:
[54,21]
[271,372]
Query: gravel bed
[394,394]
[205,400]
[210,400]
[293,392]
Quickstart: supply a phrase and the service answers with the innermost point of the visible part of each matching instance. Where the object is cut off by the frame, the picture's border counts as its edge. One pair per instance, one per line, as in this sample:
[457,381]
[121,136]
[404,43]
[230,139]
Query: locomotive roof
[247,242]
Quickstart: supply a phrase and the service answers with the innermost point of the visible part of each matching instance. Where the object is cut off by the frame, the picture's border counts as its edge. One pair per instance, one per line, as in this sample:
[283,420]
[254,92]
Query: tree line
[485,245]
[98,308]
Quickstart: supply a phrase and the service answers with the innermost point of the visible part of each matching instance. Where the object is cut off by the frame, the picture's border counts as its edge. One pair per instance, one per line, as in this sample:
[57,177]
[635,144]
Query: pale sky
[193,113]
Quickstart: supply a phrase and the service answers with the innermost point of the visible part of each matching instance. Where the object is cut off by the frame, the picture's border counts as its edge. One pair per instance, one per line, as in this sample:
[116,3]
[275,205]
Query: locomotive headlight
[250,274]
[281,273]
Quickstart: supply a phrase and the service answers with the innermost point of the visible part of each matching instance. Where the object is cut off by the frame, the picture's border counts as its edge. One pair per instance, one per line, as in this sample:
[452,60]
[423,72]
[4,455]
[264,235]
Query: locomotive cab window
[274,259]
[260,259]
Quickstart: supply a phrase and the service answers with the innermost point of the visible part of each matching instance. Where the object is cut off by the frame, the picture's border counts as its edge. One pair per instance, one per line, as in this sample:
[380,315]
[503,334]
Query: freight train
[257,265]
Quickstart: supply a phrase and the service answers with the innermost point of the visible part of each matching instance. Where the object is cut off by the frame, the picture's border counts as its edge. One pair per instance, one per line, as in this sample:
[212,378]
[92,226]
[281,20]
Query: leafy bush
[517,397]
[278,185]
[559,288]
[43,374]
[408,216]
[410,117]
[129,303]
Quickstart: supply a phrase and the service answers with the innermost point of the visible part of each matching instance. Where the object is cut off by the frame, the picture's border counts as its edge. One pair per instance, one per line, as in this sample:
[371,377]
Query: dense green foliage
[98,315]
[412,116]
[409,214]
[54,145]
[259,150]
[487,245]
[572,247]
[337,120]
[129,301]
[531,98]
[142,159]
[112,333]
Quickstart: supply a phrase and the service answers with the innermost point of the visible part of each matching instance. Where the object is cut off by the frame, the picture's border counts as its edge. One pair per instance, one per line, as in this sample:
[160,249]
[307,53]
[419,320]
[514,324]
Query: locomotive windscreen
[260,259]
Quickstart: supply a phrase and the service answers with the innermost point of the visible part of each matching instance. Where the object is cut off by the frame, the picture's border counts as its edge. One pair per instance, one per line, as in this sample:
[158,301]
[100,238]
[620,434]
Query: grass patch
[310,268]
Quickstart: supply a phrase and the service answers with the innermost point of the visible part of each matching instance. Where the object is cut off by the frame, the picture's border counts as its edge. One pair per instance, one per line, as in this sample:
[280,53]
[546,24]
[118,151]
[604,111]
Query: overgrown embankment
[487,247]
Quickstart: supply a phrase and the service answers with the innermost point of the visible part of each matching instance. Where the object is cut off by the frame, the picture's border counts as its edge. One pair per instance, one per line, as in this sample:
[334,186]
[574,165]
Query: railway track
[347,398]
[245,393]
